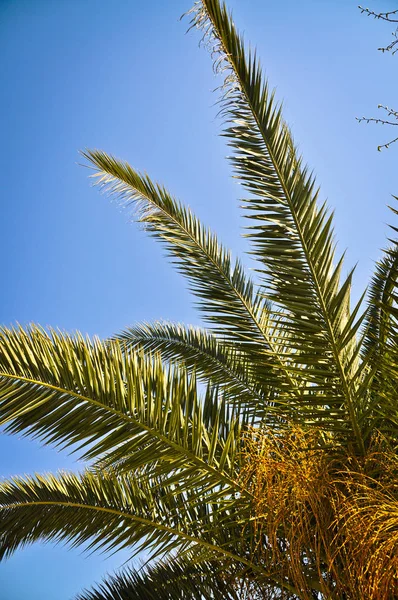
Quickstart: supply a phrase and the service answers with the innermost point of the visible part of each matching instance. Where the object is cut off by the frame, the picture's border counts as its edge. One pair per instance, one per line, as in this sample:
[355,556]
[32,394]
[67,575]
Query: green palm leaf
[227,297]
[180,579]
[115,405]
[382,298]
[174,579]
[199,350]
[107,511]
[380,346]
[291,234]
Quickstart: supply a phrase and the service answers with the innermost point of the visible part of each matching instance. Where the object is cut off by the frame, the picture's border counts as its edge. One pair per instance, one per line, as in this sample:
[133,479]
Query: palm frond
[174,579]
[228,298]
[111,405]
[292,235]
[380,345]
[182,578]
[381,299]
[212,358]
[109,511]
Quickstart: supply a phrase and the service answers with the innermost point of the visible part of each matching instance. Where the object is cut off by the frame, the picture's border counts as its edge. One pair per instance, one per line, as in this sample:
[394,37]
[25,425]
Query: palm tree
[255,458]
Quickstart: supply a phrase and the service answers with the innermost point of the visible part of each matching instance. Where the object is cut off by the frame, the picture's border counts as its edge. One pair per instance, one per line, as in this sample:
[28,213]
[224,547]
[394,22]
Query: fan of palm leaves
[246,457]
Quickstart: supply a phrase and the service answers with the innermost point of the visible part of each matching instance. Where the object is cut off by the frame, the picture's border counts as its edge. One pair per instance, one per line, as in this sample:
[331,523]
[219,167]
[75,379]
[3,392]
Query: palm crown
[261,450]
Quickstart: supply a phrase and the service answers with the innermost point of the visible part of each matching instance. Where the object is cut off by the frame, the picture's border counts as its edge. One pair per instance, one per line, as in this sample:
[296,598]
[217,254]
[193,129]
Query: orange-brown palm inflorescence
[333,513]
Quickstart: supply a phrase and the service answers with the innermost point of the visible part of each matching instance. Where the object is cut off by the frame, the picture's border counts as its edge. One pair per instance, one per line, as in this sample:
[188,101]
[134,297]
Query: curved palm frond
[380,344]
[227,297]
[175,579]
[181,579]
[382,298]
[109,511]
[291,234]
[382,295]
[115,405]
[212,358]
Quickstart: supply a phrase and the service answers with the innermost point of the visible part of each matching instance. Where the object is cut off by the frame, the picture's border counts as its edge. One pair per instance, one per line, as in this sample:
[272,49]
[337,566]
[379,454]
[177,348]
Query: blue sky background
[122,76]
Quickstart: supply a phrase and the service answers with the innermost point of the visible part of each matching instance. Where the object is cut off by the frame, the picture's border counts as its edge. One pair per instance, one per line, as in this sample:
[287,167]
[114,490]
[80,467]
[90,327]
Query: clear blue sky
[122,76]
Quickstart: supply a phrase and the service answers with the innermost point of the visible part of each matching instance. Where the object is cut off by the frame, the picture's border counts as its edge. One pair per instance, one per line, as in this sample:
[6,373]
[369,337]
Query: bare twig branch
[390,113]
[387,145]
[391,47]
[387,16]
[391,17]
